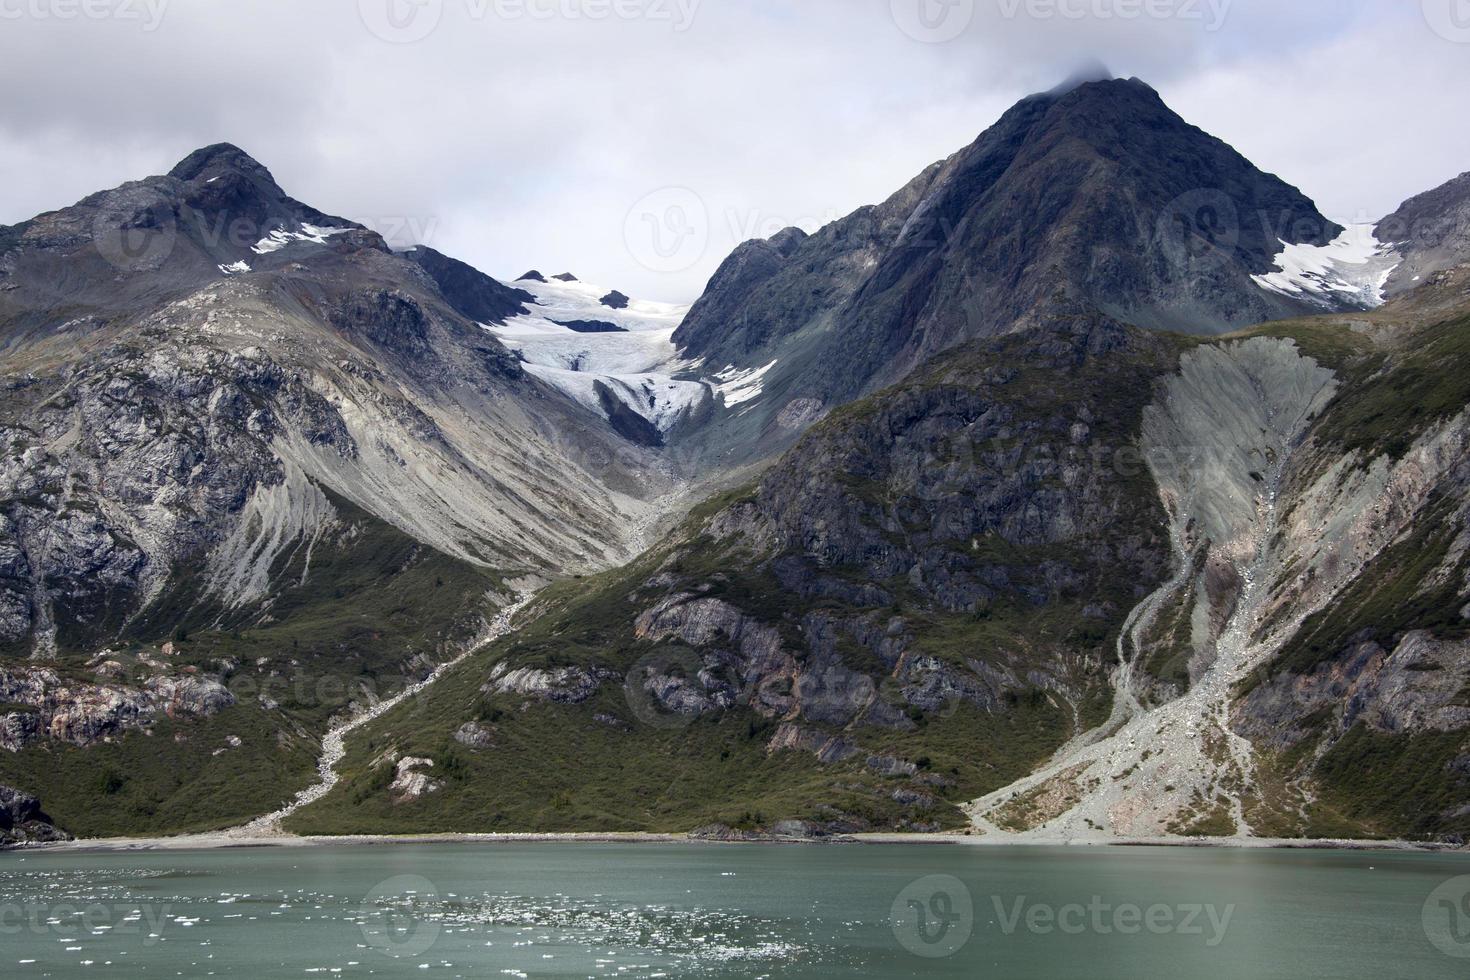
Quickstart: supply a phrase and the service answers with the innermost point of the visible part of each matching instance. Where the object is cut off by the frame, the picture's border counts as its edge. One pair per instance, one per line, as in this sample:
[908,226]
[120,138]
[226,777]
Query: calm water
[591,910]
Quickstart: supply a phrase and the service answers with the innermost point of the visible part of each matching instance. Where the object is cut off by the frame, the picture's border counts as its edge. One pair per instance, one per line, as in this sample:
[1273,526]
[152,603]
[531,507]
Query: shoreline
[226,840]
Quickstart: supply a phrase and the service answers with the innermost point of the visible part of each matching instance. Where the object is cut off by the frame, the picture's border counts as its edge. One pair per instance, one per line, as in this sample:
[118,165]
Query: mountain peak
[1085,74]
[218,158]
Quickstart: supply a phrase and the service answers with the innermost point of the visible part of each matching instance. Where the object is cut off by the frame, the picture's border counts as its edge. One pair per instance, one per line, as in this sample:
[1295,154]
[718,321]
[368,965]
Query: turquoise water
[598,910]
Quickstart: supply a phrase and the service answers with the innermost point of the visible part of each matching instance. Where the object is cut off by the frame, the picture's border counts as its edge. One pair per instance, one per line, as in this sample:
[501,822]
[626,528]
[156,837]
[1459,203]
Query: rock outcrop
[23,822]
[86,714]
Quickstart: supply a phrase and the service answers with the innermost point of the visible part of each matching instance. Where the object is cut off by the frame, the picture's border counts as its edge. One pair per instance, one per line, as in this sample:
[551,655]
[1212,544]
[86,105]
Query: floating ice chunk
[1352,269]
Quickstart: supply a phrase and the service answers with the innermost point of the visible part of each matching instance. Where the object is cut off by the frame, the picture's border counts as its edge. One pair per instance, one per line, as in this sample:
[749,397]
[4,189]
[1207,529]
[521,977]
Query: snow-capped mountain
[295,455]
[182,417]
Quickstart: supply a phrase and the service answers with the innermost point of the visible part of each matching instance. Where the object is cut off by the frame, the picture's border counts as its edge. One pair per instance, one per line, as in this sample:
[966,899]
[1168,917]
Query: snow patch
[235,268]
[737,386]
[279,238]
[1352,269]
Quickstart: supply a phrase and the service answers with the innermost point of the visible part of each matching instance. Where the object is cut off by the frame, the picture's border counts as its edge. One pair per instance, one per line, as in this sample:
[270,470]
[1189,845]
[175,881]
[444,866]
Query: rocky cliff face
[1083,581]
[1094,199]
[1359,702]
[23,822]
[224,412]
[84,714]
[1067,577]
[920,601]
[1431,232]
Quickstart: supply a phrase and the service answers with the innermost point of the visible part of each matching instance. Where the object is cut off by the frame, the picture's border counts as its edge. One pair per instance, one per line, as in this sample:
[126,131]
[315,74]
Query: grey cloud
[515,140]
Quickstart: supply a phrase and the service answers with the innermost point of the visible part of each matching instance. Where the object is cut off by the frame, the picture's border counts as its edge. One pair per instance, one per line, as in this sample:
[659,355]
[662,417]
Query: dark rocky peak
[787,240]
[219,160]
[532,276]
[1094,198]
[469,291]
[218,213]
[615,300]
[230,203]
[1431,231]
[566,277]
[1101,196]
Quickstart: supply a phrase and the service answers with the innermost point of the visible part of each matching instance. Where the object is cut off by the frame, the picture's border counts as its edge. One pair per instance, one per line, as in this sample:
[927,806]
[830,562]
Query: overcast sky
[634,142]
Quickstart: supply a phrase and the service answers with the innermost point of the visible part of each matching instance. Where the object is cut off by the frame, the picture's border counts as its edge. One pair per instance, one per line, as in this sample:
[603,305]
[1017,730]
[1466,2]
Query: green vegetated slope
[916,605]
[372,611]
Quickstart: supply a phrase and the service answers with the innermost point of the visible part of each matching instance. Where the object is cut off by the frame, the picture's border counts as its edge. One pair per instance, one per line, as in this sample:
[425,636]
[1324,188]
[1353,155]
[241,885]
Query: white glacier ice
[1352,269]
[638,365]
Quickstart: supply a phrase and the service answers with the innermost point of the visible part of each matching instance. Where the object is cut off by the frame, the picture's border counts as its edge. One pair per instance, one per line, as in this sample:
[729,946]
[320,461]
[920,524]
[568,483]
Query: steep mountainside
[1081,582]
[1097,199]
[918,604]
[473,295]
[1431,232]
[1048,551]
[1305,672]
[276,456]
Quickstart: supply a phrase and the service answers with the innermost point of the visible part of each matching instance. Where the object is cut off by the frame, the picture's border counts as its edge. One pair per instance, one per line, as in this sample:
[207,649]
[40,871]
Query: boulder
[22,821]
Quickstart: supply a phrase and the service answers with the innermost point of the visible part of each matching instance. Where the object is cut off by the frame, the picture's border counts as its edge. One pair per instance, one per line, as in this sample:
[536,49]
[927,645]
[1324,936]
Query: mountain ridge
[1003,556]
[1098,199]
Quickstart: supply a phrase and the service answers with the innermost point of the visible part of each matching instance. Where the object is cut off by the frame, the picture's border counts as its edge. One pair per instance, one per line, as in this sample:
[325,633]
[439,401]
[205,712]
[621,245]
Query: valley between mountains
[1094,487]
